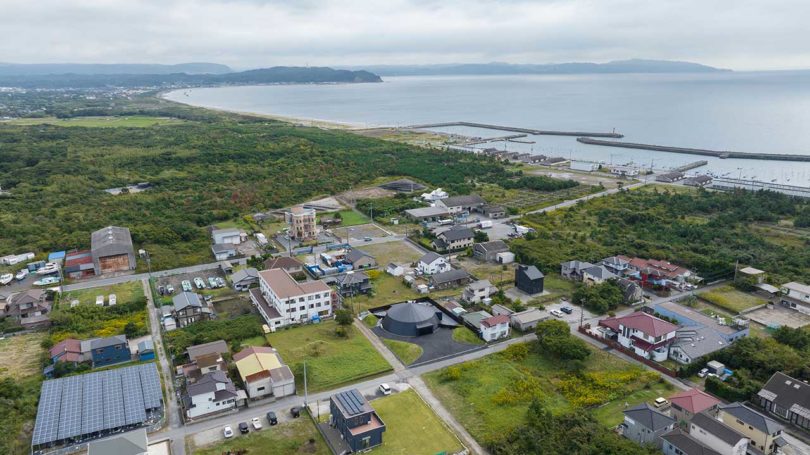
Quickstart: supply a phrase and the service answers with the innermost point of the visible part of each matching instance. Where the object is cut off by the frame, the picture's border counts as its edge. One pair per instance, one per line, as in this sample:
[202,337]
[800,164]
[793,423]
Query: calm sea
[749,112]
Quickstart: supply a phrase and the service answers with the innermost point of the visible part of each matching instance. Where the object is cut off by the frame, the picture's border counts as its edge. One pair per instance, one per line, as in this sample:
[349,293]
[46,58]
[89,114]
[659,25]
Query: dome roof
[410,319]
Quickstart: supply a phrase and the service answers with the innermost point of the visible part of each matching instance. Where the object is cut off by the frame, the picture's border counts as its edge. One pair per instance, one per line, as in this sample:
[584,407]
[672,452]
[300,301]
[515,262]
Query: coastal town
[362,321]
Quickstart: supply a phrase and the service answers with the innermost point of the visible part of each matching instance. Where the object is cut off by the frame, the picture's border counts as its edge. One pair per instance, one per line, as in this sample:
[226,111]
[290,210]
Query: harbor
[724,154]
[515,129]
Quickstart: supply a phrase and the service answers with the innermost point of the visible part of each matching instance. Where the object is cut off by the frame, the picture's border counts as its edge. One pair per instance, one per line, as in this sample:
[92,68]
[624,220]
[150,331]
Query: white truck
[486,224]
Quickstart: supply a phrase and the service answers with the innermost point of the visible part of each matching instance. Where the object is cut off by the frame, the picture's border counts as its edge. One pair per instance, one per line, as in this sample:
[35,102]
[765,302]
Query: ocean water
[767,112]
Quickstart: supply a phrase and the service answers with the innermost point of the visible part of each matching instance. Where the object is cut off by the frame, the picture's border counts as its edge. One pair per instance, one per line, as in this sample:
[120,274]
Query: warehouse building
[112,250]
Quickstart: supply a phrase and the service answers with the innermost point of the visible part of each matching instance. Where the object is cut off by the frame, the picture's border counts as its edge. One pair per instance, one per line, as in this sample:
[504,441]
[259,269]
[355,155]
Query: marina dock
[692,151]
[515,129]
[690,166]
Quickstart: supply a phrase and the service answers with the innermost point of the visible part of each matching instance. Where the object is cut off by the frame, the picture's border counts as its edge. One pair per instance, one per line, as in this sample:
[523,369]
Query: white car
[257,424]
[227,432]
[22,274]
[702,373]
[385,389]
[557,313]
[113,299]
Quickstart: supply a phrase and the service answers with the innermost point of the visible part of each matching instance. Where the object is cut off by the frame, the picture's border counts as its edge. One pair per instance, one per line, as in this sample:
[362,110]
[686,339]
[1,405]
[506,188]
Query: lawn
[490,396]
[19,355]
[286,438]
[124,293]
[349,217]
[412,427]
[254,341]
[557,288]
[233,307]
[331,360]
[407,353]
[134,121]
[391,289]
[465,335]
[398,252]
[732,299]
[611,415]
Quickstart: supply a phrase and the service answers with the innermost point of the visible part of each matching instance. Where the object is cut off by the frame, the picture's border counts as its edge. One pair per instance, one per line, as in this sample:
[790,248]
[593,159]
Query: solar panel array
[96,402]
[352,402]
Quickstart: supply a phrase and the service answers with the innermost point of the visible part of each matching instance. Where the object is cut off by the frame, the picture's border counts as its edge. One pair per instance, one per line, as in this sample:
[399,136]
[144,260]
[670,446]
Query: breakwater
[693,151]
[515,129]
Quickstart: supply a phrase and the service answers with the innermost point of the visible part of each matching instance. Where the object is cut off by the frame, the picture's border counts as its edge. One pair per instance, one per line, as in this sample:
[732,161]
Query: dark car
[243,428]
[566,310]
[271,418]
[295,411]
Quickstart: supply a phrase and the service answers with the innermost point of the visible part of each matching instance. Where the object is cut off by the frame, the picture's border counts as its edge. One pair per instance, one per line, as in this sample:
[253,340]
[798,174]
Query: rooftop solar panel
[46,427]
[134,411]
[113,400]
[150,383]
[70,413]
[93,404]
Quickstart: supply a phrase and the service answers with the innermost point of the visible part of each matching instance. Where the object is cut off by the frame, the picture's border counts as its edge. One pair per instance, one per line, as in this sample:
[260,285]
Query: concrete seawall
[516,129]
[691,151]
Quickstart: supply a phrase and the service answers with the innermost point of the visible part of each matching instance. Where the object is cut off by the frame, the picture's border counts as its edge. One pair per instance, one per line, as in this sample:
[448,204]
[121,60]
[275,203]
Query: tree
[481,236]
[554,338]
[599,298]
[551,328]
[131,330]
[343,317]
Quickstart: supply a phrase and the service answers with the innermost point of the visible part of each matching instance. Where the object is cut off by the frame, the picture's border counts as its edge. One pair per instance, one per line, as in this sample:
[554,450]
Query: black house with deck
[529,279]
[357,422]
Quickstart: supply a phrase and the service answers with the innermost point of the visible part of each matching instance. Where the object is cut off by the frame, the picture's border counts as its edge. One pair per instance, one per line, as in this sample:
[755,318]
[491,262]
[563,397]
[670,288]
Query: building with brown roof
[644,334]
[263,372]
[282,301]
[30,308]
[290,264]
[690,402]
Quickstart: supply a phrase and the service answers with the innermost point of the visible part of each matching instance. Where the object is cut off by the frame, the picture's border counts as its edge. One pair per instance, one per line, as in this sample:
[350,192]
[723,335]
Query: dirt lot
[397,252]
[371,192]
[585,178]
[779,316]
[19,355]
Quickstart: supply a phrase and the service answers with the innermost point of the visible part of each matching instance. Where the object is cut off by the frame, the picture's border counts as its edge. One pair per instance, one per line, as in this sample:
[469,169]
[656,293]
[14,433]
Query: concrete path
[98,282]
[585,198]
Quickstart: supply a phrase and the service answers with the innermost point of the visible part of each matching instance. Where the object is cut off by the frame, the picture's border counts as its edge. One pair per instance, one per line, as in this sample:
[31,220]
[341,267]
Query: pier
[515,129]
[485,140]
[692,151]
[690,166]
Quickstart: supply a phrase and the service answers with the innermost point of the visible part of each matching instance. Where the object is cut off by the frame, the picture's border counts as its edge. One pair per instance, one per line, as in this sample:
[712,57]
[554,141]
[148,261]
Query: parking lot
[575,316]
[176,280]
[779,316]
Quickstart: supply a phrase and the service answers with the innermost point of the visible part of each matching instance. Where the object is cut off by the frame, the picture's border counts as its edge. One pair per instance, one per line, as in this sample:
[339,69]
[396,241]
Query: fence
[655,365]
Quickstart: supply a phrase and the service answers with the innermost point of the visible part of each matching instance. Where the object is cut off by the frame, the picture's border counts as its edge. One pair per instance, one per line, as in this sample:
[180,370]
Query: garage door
[114,263]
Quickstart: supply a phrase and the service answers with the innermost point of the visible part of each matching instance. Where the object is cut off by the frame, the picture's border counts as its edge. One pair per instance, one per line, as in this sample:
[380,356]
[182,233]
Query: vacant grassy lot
[731,299]
[398,252]
[349,217]
[19,355]
[412,427]
[465,335]
[135,121]
[331,360]
[557,288]
[391,289]
[124,293]
[233,307]
[490,396]
[407,353]
[286,438]
[611,414]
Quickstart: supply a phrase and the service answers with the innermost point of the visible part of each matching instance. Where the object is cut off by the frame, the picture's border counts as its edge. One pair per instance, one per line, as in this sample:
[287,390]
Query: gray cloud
[740,34]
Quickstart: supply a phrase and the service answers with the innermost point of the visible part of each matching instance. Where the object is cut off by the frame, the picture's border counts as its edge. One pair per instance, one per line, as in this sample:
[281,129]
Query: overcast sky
[737,34]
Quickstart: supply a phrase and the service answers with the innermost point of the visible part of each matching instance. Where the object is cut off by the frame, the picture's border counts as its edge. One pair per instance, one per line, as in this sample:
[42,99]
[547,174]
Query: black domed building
[411,319]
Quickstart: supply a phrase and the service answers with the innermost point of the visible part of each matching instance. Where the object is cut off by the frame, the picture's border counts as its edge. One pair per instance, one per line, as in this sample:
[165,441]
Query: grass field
[124,293]
[19,355]
[398,252]
[370,320]
[390,289]
[407,353]
[611,414]
[135,121]
[349,217]
[331,360]
[285,439]
[233,307]
[255,341]
[411,427]
[465,335]
[731,299]
[490,396]
[557,288]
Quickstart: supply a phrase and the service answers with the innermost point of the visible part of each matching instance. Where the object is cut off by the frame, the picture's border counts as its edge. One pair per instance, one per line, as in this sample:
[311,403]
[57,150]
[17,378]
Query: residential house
[787,398]
[762,432]
[796,296]
[692,343]
[492,211]
[432,263]
[498,309]
[477,291]
[359,259]
[146,350]
[573,269]
[302,223]
[112,250]
[450,279]
[716,435]
[653,272]
[631,291]
[494,327]
[231,236]
[282,301]
[684,405]
[394,269]
[488,251]
[427,214]
[645,425]
[289,264]
[129,443]
[245,278]
[213,392]
[107,351]
[460,204]
[30,308]
[197,351]
[353,283]
[454,239]
[223,251]
[263,373]
[527,320]
[597,274]
[68,350]
[204,358]
[644,334]
[189,308]
[473,319]
[616,264]
[356,421]
[678,442]
[529,279]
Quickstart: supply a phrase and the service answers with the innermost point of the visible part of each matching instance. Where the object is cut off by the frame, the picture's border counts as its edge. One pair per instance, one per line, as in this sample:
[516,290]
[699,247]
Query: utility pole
[581,314]
[305,383]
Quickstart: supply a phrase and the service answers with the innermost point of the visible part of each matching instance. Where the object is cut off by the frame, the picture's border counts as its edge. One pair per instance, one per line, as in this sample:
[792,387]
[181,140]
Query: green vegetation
[663,225]
[331,360]
[386,208]
[18,355]
[731,299]
[611,415]
[90,321]
[124,293]
[135,121]
[538,183]
[599,298]
[370,320]
[295,436]
[407,353]
[347,217]
[554,338]
[465,335]
[235,330]
[411,427]
[18,400]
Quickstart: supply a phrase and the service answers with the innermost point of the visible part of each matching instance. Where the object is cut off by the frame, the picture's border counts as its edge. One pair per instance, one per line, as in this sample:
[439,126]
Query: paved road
[98,282]
[585,198]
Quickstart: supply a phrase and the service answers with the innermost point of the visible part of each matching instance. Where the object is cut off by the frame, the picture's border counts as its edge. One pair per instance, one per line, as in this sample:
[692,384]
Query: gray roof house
[527,319]
[488,251]
[691,343]
[678,442]
[573,269]
[359,259]
[461,203]
[597,274]
[228,235]
[245,278]
[787,398]
[112,250]
[353,283]
[716,435]
[188,308]
[213,347]
[129,443]
[449,279]
[455,238]
[644,424]
[223,251]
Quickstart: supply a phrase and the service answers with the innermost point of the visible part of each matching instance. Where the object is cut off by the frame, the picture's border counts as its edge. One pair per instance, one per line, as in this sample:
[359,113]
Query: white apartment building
[282,301]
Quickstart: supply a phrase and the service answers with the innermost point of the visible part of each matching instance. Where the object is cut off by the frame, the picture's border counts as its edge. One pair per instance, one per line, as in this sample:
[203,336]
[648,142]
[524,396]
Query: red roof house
[68,350]
[644,334]
[690,402]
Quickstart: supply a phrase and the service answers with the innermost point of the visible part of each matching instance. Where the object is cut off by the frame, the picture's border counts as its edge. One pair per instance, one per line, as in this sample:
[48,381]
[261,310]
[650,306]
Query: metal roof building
[411,319]
[112,250]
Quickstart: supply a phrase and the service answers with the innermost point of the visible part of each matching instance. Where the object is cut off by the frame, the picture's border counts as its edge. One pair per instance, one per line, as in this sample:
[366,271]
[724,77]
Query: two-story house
[573,269]
[679,442]
[716,435]
[360,259]
[356,421]
[645,425]
[107,351]
[432,263]
[30,308]
[454,239]
[204,358]
[189,308]
[762,432]
[684,405]
[529,279]
[616,264]
[488,251]
[282,301]
[213,392]
[787,398]
[796,296]
[477,291]
[263,372]
[353,283]
[494,327]
[644,334]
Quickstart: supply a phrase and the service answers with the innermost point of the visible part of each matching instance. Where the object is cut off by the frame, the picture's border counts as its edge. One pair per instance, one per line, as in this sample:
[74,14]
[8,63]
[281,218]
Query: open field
[490,396]
[398,252]
[557,288]
[230,308]
[524,200]
[291,437]
[390,289]
[412,427]
[331,360]
[19,355]
[135,121]
[124,293]
[611,415]
[349,217]
[731,299]
[465,335]
[407,353]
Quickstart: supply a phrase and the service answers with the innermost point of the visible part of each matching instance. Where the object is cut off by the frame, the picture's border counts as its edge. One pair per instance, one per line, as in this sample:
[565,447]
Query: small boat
[47,281]
[48,269]
[6,278]
[21,274]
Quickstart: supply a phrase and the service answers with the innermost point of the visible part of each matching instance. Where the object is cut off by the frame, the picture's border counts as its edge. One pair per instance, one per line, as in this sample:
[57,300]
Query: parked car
[113,299]
[212,282]
[221,281]
[295,411]
[367,239]
[557,313]
[385,389]
[186,284]
[199,283]
[271,418]
[702,373]
[243,428]
[660,401]
[21,274]
[257,423]
[566,310]
[227,432]
[169,289]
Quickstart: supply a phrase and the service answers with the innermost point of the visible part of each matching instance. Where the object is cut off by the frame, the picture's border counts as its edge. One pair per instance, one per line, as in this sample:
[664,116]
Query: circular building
[410,319]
